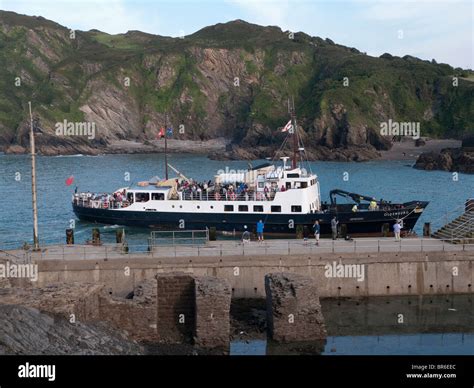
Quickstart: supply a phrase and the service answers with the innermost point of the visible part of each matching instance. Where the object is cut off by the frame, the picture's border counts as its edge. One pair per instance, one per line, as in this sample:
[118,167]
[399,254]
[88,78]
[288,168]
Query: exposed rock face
[229,81]
[353,153]
[65,300]
[145,292]
[449,159]
[293,308]
[26,331]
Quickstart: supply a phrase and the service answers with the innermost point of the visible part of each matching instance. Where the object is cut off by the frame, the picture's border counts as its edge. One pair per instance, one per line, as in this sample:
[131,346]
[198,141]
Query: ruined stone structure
[171,308]
[213,297]
[175,305]
[293,308]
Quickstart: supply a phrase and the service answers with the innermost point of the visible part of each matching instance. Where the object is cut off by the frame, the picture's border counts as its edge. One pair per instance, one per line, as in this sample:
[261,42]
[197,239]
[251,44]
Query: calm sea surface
[395,325]
[395,181]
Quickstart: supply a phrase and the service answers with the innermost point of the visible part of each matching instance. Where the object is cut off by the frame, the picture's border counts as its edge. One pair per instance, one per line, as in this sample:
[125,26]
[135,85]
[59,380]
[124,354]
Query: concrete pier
[369,270]
[283,247]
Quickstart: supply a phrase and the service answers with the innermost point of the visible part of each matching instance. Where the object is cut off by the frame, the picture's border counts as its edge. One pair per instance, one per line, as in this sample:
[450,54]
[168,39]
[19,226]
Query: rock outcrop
[449,159]
[27,331]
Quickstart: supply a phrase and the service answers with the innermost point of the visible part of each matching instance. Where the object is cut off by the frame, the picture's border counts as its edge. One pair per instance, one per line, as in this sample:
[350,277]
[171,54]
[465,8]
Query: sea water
[393,181]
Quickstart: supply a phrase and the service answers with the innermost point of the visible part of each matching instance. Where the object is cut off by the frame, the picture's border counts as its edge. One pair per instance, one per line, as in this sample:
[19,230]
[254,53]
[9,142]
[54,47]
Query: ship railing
[205,196]
[186,249]
[160,238]
[100,203]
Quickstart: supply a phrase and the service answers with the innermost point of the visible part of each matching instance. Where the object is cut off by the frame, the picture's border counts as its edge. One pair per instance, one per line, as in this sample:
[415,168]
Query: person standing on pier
[334,224]
[260,227]
[316,231]
[396,230]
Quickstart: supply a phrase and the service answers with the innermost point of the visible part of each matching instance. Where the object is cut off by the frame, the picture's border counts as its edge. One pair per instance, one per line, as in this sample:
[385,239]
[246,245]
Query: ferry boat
[285,197]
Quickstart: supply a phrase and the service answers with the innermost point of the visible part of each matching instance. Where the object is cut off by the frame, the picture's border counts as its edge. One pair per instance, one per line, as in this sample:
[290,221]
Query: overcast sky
[439,29]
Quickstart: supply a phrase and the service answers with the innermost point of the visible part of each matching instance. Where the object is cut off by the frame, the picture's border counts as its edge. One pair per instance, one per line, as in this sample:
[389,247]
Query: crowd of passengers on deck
[239,191]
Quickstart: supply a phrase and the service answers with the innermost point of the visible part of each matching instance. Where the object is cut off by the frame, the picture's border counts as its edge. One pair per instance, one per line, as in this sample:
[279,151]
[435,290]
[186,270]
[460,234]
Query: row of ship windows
[256,208]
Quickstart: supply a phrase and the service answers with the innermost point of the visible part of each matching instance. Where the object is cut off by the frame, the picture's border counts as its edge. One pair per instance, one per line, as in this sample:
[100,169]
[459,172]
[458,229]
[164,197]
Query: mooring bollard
[212,233]
[427,229]
[96,236]
[119,236]
[70,236]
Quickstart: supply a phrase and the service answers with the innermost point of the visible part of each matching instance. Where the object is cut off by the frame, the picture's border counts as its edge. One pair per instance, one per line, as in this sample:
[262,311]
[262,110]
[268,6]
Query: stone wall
[213,298]
[406,273]
[175,307]
[137,319]
[293,308]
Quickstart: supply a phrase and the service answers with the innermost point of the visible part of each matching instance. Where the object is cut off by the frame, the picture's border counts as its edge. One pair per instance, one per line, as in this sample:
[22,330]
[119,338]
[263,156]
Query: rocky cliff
[229,81]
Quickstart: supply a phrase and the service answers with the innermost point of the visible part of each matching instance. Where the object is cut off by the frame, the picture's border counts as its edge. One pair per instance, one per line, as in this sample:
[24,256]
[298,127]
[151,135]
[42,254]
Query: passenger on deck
[373,205]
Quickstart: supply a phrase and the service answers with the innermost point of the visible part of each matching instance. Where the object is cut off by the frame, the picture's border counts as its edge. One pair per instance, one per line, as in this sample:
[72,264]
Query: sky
[439,29]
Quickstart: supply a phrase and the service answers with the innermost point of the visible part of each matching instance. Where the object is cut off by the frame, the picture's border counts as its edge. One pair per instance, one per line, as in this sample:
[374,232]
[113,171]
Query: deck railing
[229,196]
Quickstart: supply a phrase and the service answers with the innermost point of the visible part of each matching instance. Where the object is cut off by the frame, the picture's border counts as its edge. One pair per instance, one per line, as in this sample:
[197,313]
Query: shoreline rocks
[449,159]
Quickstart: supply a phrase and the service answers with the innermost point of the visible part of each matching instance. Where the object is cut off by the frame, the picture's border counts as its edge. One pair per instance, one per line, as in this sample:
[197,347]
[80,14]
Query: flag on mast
[287,127]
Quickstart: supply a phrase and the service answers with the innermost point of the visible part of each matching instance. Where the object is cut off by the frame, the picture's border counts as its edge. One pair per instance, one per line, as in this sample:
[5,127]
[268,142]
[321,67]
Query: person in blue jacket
[260,227]
[316,231]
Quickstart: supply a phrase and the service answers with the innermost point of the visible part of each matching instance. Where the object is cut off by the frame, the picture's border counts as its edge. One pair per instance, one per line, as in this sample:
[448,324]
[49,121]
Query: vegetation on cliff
[230,80]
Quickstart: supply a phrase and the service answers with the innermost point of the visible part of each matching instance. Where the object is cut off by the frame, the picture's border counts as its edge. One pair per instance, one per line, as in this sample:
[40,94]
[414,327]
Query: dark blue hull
[363,223]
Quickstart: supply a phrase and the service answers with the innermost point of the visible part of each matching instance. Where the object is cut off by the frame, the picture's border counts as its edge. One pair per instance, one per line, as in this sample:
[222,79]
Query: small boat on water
[286,197]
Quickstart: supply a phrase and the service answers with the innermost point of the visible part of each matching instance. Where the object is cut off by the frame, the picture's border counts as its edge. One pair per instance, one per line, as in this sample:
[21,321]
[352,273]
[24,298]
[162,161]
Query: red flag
[70,180]
[161,133]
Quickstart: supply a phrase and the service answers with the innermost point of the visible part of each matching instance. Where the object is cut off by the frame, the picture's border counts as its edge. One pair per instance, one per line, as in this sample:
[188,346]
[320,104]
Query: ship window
[243,208]
[292,175]
[157,196]
[276,209]
[130,197]
[228,208]
[296,209]
[260,185]
[258,209]
[304,185]
[142,197]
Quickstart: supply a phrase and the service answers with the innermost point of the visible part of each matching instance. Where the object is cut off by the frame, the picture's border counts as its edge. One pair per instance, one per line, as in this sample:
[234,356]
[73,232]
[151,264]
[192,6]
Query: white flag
[287,127]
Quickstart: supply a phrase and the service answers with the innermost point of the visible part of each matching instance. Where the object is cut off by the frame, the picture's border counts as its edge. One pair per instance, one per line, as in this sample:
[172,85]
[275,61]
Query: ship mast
[33,183]
[166,146]
[291,109]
